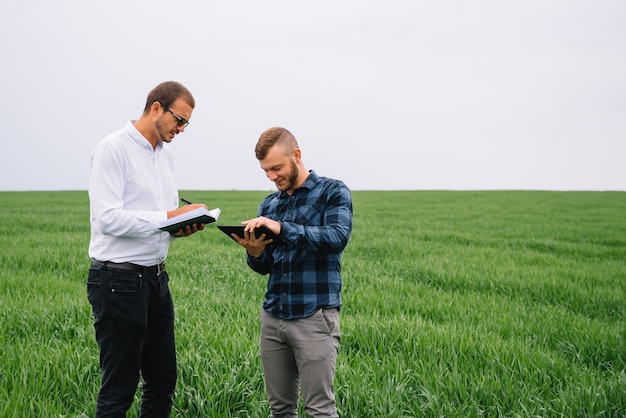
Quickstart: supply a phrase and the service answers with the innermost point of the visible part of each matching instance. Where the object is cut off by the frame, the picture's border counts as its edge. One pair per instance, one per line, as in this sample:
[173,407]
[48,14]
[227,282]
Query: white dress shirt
[131,188]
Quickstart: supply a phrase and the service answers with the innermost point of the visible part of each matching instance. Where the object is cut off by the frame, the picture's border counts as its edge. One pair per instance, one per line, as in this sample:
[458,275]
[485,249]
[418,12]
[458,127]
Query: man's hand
[270,224]
[189,229]
[184,209]
[255,246]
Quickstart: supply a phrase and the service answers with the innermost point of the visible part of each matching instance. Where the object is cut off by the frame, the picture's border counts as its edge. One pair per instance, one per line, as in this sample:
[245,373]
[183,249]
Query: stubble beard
[163,134]
[291,179]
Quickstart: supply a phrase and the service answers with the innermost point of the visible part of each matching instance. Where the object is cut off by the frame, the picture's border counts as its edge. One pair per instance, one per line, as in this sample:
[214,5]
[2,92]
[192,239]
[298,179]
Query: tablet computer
[238,229]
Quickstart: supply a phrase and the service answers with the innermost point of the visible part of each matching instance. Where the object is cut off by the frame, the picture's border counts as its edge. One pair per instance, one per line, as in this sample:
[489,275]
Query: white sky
[399,94]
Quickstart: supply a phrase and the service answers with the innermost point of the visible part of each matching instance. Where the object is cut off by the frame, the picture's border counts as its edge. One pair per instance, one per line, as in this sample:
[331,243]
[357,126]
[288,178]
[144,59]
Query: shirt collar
[309,183]
[139,139]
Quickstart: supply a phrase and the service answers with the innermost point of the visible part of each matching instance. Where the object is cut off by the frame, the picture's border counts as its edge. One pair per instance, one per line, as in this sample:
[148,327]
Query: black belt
[156,269]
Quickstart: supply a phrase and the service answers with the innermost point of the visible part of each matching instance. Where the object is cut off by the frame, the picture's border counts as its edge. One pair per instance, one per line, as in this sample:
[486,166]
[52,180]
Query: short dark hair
[167,93]
[273,136]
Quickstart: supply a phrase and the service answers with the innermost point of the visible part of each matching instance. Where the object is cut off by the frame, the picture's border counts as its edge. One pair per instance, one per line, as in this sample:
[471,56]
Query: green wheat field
[456,304]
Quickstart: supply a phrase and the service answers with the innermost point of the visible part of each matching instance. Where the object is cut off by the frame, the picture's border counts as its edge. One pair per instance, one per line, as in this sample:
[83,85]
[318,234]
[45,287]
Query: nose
[271,176]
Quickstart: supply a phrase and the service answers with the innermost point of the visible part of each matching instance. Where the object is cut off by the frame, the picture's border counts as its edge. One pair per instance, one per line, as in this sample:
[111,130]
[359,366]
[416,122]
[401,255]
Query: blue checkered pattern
[305,272]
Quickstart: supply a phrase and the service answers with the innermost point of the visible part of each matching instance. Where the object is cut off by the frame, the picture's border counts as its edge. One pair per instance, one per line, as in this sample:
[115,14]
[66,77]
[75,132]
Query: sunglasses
[180,121]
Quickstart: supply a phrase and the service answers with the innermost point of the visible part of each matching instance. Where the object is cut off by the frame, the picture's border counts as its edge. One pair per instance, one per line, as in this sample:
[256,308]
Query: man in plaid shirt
[312,217]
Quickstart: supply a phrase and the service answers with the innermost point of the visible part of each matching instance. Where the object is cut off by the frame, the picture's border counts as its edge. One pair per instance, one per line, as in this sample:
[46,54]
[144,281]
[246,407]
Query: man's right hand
[183,209]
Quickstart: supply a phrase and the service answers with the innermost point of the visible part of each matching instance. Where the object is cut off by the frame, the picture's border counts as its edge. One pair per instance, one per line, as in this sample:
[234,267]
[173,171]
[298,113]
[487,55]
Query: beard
[164,135]
[290,178]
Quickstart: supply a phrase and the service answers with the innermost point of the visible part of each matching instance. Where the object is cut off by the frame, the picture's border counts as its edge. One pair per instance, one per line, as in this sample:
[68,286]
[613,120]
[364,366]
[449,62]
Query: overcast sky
[398,94]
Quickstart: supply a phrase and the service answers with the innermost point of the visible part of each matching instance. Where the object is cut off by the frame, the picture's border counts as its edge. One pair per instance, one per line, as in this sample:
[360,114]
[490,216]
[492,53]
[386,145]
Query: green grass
[456,304]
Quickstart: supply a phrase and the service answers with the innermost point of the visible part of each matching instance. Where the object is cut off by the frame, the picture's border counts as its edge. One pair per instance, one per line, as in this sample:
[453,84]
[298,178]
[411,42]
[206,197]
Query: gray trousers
[300,355]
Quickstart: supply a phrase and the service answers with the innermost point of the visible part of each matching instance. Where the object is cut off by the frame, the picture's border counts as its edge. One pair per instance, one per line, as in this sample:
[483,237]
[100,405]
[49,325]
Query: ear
[156,107]
[297,155]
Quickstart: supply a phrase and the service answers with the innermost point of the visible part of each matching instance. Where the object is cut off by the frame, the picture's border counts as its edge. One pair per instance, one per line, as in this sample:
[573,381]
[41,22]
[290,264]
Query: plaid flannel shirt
[305,272]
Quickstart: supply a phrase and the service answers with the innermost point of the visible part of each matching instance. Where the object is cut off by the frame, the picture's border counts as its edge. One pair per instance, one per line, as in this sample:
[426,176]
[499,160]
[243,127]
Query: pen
[186,201]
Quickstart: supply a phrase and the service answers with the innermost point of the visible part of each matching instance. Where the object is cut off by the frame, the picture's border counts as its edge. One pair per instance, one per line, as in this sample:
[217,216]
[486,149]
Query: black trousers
[134,324]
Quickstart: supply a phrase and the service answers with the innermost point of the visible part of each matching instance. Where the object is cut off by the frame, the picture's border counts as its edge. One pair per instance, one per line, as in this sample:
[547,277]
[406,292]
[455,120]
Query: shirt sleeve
[106,194]
[333,234]
[262,264]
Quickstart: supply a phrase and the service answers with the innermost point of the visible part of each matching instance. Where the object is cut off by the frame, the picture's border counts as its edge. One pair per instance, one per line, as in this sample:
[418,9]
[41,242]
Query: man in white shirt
[131,190]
